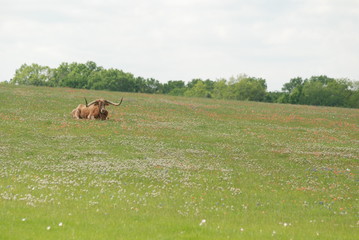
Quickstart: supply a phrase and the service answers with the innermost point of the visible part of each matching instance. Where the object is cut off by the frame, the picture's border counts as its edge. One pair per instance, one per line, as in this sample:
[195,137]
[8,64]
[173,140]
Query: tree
[77,75]
[248,88]
[325,91]
[198,90]
[292,91]
[176,88]
[353,99]
[192,83]
[96,81]
[209,85]
[220,89]
[152,86]
[33,74]
[117,80]
[292,84]
[317,90]
[61,75]
[273,97]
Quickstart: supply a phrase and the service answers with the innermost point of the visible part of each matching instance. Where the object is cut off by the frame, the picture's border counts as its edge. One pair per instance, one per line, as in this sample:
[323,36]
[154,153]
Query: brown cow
[93,110]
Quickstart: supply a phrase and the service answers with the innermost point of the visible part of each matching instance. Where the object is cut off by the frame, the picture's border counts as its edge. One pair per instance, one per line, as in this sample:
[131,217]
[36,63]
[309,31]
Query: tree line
[316,90]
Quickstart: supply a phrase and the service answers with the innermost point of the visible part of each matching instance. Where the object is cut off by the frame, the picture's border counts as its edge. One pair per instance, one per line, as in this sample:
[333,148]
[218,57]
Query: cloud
[186,39]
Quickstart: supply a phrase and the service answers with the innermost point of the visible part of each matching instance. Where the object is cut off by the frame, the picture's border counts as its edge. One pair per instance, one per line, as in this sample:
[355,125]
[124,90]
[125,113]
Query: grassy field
[170,167]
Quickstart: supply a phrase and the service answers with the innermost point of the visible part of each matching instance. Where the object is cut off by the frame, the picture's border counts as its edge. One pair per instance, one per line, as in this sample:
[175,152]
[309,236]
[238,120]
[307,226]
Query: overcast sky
[184,39]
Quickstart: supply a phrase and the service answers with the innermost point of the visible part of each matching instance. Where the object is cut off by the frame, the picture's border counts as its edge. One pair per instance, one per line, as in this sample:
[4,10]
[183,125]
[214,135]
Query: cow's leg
[77,114]
[73,113]
[91,116]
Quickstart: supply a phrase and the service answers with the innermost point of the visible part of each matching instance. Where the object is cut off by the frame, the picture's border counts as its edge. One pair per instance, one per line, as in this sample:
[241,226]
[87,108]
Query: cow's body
[83,112]
[94,110]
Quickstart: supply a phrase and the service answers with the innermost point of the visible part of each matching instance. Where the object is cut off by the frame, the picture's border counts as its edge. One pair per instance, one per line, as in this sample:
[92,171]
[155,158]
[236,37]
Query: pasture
[167,167]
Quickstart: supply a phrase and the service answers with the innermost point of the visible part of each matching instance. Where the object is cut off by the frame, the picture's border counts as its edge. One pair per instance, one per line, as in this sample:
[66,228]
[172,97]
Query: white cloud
[185,39]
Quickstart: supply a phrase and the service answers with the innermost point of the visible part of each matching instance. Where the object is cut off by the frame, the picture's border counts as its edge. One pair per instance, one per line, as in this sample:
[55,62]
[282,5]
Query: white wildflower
[202,222]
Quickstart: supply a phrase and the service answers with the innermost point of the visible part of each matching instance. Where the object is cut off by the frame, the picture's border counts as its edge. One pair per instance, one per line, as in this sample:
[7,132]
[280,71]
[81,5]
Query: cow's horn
[116,104]
[93,102]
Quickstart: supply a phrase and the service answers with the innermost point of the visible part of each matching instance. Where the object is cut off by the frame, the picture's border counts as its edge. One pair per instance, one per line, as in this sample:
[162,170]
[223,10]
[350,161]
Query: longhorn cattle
[93,110]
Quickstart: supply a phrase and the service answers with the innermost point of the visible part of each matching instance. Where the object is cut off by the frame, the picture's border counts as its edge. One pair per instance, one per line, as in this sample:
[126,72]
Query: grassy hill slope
[170,167]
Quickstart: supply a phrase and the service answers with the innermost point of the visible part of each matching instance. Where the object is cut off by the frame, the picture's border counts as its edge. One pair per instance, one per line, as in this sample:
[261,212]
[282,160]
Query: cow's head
[101,103]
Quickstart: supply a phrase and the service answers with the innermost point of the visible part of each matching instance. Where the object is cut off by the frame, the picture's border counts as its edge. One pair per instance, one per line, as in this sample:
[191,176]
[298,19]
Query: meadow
[165,167]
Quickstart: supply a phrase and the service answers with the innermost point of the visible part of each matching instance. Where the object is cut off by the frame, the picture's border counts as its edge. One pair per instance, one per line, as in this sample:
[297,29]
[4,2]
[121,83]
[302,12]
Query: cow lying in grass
[93,110]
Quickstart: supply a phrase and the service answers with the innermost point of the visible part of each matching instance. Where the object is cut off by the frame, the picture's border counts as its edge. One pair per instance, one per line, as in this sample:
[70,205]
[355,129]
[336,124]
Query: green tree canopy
[247,88]
[199,89]
[325,91]
[317,90]
[33,74]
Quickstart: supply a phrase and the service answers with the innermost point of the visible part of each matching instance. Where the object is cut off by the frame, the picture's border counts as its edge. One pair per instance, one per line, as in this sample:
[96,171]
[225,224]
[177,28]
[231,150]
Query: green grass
[163,164]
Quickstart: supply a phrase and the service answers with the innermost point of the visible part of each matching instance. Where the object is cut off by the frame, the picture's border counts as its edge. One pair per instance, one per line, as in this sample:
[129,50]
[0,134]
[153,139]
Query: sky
[185,39]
